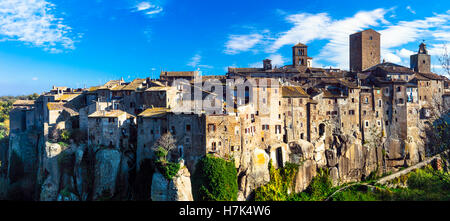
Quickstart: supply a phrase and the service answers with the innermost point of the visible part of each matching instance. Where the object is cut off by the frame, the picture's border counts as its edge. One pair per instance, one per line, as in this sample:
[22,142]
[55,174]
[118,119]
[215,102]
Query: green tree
[215,180]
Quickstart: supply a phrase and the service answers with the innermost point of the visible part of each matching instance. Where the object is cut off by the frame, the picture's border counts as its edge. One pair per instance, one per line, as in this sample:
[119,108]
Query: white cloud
[34,78]
[410,31]
[308,27]
[437,49]
[33,22]
[148,8]
[404,53]
[143,6]
[242,43]
[391,57]
[410,9]
[278,60]
[195,61]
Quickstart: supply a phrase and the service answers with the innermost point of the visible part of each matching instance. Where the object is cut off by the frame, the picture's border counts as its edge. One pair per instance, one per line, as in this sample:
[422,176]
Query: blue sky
[87,42]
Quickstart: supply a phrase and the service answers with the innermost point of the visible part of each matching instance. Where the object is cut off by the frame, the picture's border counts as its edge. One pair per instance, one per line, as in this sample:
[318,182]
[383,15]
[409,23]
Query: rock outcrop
[306,172]
[106,171]
[254,175]
[177,189]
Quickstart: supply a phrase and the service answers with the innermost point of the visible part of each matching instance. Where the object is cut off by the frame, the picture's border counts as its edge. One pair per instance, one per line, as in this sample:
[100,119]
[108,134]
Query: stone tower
[421,62]
[267,64]
[364,50]
[300,56]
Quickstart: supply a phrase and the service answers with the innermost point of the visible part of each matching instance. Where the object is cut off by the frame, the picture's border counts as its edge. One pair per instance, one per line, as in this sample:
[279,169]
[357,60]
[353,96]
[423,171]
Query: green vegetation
[281,181]
[424,184]
[167,168]
[65,135]
[215,179]
[319,188]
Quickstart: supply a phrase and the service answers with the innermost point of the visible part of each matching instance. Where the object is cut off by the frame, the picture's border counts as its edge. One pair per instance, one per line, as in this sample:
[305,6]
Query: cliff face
[46,171]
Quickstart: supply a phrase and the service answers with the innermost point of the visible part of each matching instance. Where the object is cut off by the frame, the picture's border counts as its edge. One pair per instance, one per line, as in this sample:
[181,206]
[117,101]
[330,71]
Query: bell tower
[300,56]
[421,62]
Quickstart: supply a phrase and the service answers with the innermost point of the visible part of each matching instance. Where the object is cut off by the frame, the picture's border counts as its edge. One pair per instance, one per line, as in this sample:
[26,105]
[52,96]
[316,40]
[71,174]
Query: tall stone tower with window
[364,50]
[300,56]
[421,62]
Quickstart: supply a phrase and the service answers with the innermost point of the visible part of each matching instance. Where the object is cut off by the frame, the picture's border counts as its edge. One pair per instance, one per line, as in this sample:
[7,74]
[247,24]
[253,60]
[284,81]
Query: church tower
[300,56]
[364,50]
[421,62]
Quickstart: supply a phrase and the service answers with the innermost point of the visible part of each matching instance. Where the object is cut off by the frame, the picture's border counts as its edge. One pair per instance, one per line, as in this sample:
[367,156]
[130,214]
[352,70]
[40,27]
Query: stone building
[364,50]
[110,128]
[421,62]
[170,76]
[22,116]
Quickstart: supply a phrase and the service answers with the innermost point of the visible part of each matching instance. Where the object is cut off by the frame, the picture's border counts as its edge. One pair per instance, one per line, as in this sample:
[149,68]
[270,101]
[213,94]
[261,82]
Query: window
[353,100]
[265,127]
[188,140]
[399,89]
[211,127]
[387,123]
[400,101]
[213,145]
[277,129]
[188,127]
[379,103]
[364,112]
[367,123]
[351,112]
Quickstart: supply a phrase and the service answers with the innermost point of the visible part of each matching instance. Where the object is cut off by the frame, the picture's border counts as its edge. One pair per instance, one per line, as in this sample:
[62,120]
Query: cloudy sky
[87,42]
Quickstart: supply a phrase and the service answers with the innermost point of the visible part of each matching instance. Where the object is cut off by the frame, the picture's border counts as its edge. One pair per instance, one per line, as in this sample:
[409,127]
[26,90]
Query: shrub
[215,180]
[168,169]
[281,181]
[65,135]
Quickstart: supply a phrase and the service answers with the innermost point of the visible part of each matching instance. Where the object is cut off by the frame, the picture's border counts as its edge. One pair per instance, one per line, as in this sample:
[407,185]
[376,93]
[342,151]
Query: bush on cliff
[215,179]
[168,169]
[281,182]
